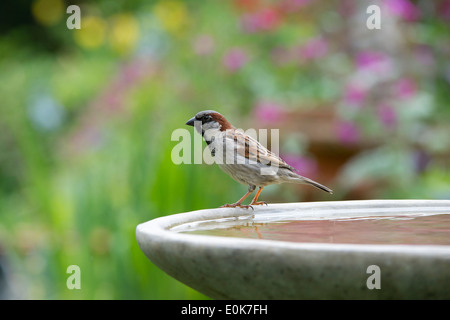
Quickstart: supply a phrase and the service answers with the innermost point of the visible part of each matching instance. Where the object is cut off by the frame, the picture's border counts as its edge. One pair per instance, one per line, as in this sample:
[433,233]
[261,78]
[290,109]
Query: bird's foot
[259,203]
[237,204]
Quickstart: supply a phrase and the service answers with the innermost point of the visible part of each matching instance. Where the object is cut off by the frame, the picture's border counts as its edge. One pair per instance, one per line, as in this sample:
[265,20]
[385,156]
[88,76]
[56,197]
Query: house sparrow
[244,158]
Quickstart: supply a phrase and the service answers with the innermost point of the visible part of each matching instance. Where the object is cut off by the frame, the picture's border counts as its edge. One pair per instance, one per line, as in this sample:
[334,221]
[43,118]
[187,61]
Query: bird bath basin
[374,249]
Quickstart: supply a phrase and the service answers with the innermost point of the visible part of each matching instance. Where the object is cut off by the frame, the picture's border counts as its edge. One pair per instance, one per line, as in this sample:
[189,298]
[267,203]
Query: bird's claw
[259,203]
[234,205]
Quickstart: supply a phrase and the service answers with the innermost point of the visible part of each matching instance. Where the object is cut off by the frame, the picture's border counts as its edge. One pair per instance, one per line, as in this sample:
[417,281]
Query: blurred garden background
[86,118]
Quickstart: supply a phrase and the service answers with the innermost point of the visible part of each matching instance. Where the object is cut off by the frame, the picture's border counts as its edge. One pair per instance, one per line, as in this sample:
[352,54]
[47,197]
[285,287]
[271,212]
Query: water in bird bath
[415,229]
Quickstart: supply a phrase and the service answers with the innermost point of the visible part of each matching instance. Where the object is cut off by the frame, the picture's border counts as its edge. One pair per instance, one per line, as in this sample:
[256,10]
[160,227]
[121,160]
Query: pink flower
[305,165]
[267,19]
[347,132]
[387,115]
[373,61]
[367,58]
[235,59]
[354,95]
[314,49]
[405,88]
[444,9]
[268,112]
[403,8]
[203,45]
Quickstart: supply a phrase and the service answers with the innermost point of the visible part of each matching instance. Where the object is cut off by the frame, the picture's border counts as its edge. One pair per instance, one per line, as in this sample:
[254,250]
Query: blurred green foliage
[86,118]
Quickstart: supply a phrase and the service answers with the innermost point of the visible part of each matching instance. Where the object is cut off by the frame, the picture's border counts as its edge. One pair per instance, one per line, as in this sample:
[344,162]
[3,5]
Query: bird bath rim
[172,226]
[178,254]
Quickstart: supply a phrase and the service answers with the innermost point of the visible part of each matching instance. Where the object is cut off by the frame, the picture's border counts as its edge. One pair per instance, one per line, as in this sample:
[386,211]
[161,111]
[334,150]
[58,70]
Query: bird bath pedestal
[408,258]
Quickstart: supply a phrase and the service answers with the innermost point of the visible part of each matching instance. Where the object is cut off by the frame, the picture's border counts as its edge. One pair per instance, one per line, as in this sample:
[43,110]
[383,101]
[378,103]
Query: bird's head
[209,120]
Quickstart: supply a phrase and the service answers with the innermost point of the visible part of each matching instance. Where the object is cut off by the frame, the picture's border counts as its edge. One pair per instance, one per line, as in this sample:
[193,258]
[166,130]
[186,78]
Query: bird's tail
[301,179]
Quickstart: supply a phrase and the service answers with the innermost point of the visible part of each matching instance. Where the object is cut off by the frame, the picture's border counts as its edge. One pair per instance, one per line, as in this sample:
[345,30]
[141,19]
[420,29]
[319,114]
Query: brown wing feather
[253,150]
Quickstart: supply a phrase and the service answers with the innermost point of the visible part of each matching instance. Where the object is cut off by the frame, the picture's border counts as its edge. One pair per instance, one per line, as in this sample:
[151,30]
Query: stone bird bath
[224,267]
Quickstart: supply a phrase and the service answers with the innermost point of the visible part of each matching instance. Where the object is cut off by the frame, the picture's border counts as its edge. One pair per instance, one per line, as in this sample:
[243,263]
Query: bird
[244,158]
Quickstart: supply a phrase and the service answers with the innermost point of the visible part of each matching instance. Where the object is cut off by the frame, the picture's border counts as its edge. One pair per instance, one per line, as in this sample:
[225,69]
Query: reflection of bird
[244,158]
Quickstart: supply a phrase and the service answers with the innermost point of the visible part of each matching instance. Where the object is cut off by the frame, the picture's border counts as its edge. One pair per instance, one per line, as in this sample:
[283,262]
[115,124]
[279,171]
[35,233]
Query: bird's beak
[191,122]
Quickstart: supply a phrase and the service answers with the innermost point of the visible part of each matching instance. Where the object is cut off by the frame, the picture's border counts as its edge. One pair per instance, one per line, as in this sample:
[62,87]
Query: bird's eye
[207,118]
